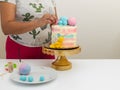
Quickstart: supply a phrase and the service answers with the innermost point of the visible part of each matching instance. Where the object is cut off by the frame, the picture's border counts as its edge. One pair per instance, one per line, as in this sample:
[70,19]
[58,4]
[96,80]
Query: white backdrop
[98,26]
[2,43]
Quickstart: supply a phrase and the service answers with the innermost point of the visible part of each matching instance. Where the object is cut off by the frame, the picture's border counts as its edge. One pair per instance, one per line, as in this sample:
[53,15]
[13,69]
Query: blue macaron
[22,78]
[30,79]
[42,78]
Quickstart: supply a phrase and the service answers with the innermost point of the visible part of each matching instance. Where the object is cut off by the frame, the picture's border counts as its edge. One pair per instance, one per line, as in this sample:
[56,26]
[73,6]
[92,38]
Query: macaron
[23,78]
[30,79]
[42,78]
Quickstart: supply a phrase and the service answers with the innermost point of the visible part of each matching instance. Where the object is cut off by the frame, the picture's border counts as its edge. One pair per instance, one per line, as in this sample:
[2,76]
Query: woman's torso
[28,10]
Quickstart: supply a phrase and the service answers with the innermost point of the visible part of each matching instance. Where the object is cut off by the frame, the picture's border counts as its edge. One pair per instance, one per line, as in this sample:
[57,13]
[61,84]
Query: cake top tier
[63,21]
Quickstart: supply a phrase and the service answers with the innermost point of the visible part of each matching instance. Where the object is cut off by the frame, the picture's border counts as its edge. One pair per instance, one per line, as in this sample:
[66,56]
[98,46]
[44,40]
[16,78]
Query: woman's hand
[47,19]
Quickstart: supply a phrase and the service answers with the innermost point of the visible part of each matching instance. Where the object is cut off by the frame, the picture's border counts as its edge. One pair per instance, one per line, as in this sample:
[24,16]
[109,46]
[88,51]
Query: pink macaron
[72,21]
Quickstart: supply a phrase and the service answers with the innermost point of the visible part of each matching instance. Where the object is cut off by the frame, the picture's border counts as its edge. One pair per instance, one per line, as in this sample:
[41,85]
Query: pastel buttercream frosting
[64,33]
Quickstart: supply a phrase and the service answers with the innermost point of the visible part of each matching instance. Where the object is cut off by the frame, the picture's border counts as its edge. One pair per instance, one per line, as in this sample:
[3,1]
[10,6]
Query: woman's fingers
[49,19]
[53,19]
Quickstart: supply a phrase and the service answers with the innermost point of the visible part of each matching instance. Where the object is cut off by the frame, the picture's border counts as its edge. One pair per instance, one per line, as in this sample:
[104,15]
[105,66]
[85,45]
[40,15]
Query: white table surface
[86,74]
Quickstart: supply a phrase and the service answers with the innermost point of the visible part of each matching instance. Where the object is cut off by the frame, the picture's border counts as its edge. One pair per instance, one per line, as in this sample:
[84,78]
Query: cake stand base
[61,63]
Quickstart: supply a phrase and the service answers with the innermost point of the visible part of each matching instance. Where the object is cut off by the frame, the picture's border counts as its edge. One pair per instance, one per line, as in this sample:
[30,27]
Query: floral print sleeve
[9,1]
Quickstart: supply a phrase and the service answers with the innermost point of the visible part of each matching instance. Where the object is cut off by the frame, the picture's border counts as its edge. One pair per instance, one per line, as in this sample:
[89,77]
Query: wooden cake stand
[61,62]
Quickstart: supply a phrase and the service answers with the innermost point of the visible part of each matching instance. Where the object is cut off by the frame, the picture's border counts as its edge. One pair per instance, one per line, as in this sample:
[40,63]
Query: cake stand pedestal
[61,62]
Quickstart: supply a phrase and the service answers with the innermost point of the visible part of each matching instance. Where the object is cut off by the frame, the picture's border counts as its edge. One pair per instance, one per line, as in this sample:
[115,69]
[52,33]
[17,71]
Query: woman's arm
[11,26]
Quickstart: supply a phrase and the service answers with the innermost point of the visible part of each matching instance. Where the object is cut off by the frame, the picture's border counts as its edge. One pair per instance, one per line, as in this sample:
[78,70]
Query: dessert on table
[64,33]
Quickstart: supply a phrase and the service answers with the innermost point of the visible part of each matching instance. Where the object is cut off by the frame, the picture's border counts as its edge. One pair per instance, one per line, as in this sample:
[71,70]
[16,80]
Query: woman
[27,24]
